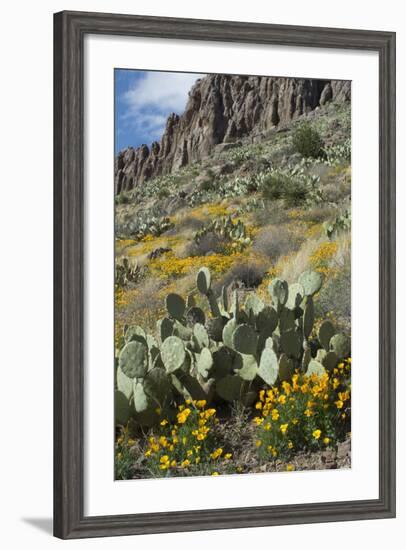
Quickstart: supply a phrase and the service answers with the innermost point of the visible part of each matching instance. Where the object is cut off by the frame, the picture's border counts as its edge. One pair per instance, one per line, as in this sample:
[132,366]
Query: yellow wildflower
[316,434]
[215,454]
[284,428]
[183,416]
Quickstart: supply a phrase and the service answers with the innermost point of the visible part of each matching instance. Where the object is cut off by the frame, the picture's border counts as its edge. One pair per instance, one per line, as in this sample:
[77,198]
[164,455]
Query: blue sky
[143,101]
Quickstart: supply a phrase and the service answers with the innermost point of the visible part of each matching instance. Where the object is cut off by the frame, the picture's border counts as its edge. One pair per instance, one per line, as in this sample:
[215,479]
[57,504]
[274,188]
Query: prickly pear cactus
[227,354]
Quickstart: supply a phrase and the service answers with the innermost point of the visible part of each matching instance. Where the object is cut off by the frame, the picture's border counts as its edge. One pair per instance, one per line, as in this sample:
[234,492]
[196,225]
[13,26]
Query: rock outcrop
[223,109]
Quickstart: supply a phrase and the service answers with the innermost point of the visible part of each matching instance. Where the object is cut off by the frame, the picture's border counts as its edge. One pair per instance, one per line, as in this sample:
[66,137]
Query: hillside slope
[223,109]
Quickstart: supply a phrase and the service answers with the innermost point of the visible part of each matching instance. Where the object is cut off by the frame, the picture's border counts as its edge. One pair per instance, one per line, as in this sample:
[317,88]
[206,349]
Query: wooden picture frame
[69,31]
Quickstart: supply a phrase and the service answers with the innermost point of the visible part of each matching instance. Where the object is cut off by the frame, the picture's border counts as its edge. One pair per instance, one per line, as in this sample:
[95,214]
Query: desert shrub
[307,141]
[317,214]
[294,264]
[184,226]
[128,271]
[206,181]
[335,297]
[145,303]
[163,193]
[122,198]
[274,242]
[337,191]
[248,273]
[271,213]
[209,243]
[283,185]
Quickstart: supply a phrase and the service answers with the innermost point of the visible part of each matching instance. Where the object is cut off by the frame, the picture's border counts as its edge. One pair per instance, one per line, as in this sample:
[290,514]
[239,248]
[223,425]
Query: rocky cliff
[223,109]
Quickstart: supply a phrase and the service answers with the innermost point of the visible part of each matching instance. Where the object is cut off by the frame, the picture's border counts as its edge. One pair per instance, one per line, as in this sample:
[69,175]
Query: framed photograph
[224,275]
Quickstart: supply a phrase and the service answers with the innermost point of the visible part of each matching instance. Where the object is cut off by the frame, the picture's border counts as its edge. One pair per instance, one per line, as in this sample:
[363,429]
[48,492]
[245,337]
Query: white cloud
[162,91]
[153,98]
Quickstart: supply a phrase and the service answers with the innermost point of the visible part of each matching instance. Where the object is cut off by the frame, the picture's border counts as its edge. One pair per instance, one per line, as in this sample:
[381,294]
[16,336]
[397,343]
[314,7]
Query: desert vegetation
[233,314]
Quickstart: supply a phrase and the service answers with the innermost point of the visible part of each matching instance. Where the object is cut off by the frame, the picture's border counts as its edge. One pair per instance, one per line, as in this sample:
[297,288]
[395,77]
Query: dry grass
[290,267]
[276,241]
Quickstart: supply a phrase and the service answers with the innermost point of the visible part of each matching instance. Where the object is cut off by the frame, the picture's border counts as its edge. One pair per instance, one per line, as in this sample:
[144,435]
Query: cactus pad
[267,320]
[330,361]
[133,359]
[201,336]
[124,384]
[195,315]
[268,366]
[230,387]
[121,408]
[291,343]
[311,282]
[204,362]
[253,304]
[222,363]
[308,317]
[341,345]
[278,289]
[286,368]
[245,340]
[175,305]
[215,327]
[165,328]
[203,280]
[326,332]
[228,332]
[316,368]
[295,295]
[141,401]
[157,386]
[134,332]
[173,353]
[248,368]
[286,320]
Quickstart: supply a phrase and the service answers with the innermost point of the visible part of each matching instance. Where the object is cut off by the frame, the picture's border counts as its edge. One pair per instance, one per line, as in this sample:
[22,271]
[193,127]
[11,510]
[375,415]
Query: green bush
[278,185]
[307,141]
